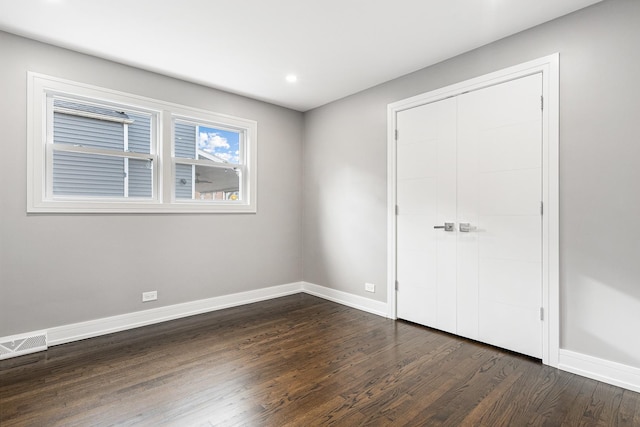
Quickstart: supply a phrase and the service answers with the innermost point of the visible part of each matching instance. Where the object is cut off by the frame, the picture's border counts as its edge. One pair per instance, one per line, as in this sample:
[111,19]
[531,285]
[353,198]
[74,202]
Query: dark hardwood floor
[298,361]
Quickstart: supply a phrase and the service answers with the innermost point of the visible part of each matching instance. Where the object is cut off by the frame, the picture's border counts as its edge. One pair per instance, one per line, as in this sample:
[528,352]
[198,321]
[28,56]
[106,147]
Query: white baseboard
[344,298]
[600,369]
[591,367]
[108,325]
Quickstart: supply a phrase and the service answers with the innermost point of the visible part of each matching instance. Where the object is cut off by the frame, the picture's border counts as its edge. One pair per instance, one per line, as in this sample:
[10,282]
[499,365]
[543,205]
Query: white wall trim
[606,371]
[107,325]
[345,298]
[600,369]
[549,66]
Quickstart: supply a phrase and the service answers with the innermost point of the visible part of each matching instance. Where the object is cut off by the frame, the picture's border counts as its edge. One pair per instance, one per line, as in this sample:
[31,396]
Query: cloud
[228,157]
[214,143]
[209,141]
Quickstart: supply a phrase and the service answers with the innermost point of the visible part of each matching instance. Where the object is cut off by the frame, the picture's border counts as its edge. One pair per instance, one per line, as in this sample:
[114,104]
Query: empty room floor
[300,361]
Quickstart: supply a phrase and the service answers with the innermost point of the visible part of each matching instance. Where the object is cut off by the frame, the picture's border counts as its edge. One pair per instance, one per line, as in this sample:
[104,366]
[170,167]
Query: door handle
[448,226]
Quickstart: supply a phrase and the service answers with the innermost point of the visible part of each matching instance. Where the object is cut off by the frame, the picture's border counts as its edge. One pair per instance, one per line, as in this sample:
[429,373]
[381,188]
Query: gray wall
[61,269]
[344,199]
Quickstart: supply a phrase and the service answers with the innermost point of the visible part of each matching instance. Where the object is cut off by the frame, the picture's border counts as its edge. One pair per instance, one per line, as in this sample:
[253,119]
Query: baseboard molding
[345,298]
[606,371]
[591,367]
[617,374]
[600,369]
[93,328]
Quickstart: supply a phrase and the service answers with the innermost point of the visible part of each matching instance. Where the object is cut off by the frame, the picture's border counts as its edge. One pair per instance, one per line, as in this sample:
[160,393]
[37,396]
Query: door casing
[550,69]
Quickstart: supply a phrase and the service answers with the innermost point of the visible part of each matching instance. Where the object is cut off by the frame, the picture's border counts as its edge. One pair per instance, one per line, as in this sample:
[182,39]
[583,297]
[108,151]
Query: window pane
[209,144]
[100,127]
[140,178]
[184,181]
[80,174]
[140,133]
[185,140]
[210,183]
[219,145]
[87,132]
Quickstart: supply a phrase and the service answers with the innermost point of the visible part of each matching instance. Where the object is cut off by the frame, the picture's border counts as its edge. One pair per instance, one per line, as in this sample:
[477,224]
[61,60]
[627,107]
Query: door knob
[448,226]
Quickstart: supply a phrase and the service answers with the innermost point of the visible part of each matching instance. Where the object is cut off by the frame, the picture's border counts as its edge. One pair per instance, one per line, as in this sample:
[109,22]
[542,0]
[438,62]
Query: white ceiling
[335,47]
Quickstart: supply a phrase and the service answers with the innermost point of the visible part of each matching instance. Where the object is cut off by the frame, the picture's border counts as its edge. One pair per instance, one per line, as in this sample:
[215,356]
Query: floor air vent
[18,345]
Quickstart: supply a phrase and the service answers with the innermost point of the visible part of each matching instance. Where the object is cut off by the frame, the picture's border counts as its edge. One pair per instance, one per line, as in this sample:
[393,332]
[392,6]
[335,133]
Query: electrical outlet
[149,296]
[369,287]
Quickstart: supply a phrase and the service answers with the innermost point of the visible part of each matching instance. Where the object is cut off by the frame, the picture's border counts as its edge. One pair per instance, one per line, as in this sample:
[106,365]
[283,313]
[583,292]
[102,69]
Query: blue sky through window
[223,144]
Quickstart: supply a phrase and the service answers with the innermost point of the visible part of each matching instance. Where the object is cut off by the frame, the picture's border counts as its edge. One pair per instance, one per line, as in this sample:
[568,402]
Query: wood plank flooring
[297,361]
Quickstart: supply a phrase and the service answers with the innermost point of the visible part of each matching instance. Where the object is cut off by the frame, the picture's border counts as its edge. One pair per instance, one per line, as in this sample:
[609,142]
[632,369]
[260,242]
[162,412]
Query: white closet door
[476,161]
[499,185]
[426,197]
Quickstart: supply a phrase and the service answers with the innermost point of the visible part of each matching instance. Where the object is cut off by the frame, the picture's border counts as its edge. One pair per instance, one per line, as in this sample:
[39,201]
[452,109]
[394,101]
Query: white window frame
[50,148]
[41,87]
[209,121]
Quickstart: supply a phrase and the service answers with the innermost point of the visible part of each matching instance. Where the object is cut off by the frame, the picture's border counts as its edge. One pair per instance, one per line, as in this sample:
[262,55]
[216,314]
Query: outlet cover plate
[149,296]
[369,287]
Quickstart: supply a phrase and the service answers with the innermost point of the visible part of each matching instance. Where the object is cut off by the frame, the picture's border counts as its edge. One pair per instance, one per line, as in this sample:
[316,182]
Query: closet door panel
[426,197]
[499,194]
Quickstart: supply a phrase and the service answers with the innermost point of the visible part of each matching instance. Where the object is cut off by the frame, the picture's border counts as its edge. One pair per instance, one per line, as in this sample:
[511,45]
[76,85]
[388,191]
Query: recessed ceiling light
[292,78]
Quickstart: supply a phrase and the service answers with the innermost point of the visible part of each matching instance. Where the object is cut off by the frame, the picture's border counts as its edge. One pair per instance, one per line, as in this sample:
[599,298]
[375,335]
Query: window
[209,162]
[96,150]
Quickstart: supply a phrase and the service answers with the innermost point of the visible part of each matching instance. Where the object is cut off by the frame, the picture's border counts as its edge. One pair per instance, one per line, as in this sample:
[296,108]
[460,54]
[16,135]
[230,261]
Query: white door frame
[549,66]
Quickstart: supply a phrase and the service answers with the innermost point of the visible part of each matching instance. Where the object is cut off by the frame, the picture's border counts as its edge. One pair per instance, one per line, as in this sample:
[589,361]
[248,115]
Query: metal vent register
[18,345]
